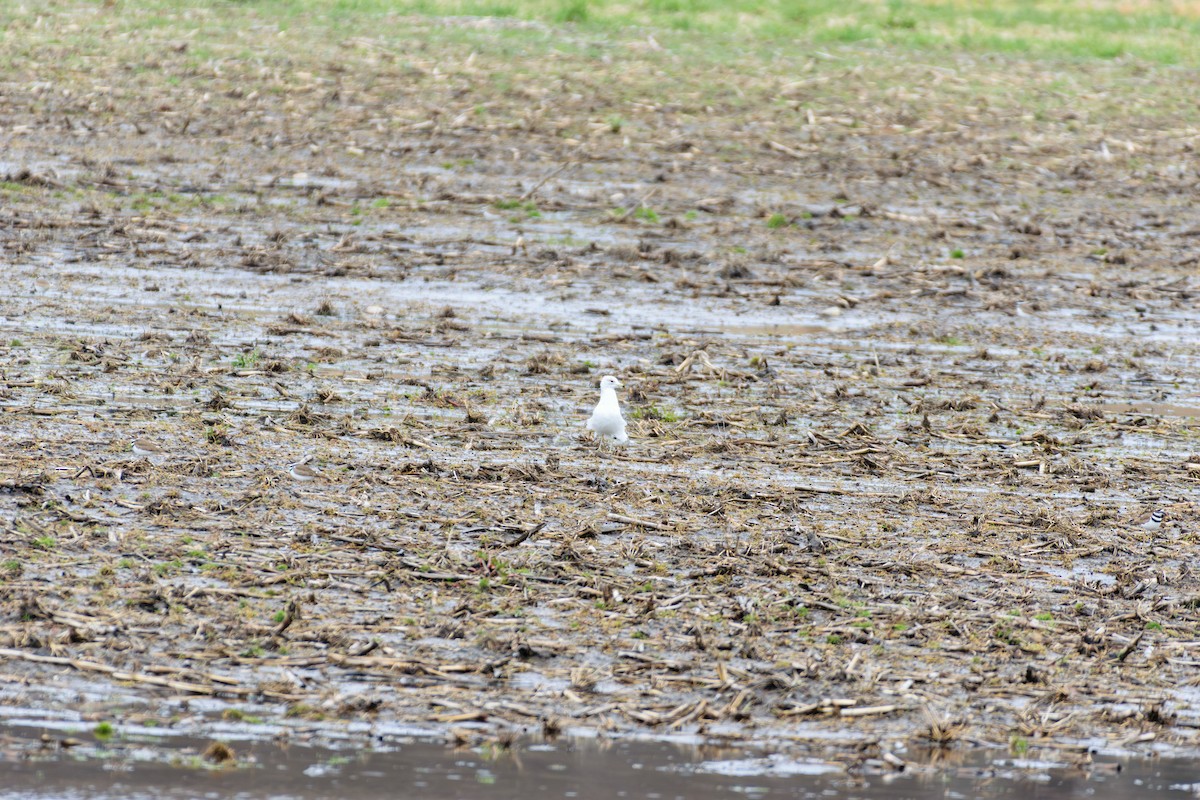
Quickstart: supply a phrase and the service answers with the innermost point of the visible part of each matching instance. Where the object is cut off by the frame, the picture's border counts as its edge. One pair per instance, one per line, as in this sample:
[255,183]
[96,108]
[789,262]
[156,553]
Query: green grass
[654,412]
[237,715]
[527,208]
[246,360]
[168,567]
[1059,27]
[1070,29]
[646,214]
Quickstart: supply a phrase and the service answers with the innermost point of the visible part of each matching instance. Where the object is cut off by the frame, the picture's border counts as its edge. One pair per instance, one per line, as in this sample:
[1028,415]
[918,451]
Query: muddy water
[125,769]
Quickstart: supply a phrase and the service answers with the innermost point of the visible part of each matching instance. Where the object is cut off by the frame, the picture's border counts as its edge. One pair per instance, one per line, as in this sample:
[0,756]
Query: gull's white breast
[606,419]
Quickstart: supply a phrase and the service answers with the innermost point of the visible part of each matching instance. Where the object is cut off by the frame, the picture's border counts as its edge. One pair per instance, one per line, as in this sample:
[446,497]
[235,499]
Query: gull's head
[609,382]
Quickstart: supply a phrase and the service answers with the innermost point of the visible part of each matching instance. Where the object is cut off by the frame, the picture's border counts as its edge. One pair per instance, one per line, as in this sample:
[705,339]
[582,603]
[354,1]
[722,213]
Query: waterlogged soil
[904,369]
[144,764]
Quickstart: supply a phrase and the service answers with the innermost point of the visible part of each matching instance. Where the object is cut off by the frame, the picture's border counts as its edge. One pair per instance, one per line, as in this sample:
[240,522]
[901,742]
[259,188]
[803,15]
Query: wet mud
[900,397]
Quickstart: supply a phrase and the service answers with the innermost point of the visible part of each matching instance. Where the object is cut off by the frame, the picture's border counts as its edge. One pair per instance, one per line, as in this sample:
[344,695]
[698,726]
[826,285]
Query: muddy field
[906,361]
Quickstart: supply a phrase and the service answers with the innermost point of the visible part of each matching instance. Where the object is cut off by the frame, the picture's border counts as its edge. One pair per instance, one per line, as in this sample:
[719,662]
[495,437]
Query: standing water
[565,768]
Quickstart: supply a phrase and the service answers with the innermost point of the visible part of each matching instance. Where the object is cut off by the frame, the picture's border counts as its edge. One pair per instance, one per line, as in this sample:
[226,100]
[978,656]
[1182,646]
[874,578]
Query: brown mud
[899,389]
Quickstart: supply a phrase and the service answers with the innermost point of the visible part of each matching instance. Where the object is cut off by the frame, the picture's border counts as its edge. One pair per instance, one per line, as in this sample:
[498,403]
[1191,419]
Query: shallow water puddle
[778,329]
[1153,409]
[570,767]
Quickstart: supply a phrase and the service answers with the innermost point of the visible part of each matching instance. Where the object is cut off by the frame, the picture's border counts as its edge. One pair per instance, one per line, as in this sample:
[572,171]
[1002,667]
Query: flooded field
[906,372]
[144,764]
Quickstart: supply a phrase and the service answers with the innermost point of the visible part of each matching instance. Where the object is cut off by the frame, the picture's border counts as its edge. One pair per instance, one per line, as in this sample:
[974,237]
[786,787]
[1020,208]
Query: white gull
[606,419]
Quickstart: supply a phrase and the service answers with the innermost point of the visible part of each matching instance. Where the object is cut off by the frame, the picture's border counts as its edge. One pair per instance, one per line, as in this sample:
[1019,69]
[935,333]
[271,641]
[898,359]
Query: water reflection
[568,768]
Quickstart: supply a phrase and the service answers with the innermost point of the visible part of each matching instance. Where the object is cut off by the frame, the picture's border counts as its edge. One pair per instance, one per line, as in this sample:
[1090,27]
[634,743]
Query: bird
[1153,521]
[1148,520]
[606,420]
[301,471]
[147,447]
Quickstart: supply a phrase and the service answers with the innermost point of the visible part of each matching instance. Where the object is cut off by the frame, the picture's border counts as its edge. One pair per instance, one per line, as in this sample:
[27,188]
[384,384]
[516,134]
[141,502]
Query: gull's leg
[598,478]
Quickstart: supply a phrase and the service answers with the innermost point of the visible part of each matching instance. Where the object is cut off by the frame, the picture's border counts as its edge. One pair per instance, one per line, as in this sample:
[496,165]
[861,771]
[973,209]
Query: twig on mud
[526,534]
[833,490]
[1129,648]
[134,677]
[783,148]
[230,591]
[289,616]
[365,649]
[404,665]
[639,204]
[645,523]
[686,364]
[418,571]
[549,176]
[466,716]
[867,711]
